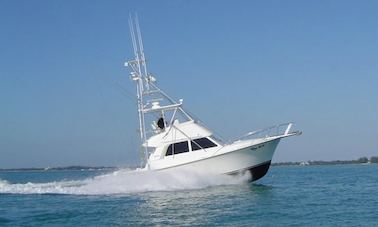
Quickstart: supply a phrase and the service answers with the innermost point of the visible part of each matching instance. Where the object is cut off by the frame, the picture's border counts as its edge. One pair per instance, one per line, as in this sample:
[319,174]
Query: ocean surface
[335,195]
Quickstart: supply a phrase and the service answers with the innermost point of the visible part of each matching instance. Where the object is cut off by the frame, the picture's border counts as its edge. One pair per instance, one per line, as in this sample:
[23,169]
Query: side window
[198,144]
[169,150]
[181,147]
[177,148]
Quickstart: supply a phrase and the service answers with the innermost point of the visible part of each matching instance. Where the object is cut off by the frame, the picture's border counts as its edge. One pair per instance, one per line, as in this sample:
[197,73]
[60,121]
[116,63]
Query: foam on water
[125,181]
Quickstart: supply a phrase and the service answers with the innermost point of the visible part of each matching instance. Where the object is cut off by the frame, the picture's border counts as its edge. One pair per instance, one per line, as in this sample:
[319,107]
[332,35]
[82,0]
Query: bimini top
[177,132]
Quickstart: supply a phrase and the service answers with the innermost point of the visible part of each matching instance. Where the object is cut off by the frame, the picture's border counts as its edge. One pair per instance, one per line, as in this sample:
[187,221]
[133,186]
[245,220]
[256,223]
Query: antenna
[132,34]
[151,99]
[142,50]
[139,77]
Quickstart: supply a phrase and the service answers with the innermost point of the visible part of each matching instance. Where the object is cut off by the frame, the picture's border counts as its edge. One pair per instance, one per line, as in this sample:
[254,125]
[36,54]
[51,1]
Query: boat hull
[254,158]
[256,172]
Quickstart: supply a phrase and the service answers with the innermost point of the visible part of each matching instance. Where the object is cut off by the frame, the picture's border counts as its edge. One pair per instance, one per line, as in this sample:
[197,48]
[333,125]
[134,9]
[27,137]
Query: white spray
[124,182]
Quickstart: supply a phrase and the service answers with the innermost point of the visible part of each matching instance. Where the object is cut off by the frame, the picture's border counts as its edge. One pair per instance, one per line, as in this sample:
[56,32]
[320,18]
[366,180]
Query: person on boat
[160,123]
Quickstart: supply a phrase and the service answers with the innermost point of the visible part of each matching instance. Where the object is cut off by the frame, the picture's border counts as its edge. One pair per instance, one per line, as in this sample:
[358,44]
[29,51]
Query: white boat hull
[253,158]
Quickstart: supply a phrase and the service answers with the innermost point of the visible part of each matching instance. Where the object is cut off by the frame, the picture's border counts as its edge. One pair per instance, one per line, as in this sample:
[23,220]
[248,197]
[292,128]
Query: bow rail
[272,131]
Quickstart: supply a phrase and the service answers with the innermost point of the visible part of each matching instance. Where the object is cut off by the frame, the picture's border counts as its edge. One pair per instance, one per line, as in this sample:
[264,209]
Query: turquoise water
[343,195]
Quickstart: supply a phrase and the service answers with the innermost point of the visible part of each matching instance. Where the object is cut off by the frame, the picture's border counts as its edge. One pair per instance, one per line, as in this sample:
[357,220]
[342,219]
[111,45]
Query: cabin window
[177,148]
[203,143]
[169,150]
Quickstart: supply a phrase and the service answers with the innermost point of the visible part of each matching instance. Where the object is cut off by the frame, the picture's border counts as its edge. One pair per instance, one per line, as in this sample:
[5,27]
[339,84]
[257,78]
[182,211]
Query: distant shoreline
[66,168]
[362,160]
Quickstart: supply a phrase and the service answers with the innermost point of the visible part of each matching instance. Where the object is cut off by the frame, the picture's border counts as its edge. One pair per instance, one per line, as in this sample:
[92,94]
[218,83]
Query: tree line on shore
[362,160]
[67,168]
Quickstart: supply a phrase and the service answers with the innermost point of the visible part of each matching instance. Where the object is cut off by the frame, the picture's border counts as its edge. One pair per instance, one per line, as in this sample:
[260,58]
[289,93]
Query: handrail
[275,130]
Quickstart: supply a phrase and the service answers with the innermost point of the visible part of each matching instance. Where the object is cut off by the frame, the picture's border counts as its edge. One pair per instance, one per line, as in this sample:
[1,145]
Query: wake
[125,182]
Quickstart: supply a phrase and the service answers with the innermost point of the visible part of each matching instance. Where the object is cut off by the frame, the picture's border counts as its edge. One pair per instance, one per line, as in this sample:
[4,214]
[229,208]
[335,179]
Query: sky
[238,65]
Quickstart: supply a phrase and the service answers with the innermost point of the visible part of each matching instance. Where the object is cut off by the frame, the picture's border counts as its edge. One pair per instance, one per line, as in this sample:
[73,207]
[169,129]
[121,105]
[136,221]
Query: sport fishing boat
[173,139]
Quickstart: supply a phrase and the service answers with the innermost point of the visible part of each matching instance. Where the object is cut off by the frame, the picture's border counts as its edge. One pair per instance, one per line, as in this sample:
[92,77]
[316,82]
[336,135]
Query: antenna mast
[139,76]
[152,101]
